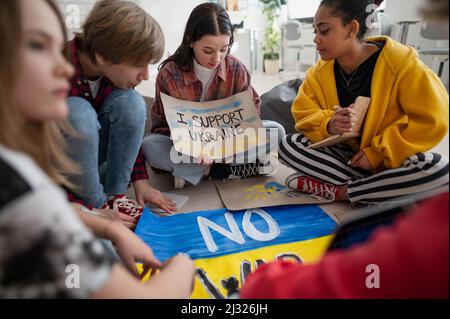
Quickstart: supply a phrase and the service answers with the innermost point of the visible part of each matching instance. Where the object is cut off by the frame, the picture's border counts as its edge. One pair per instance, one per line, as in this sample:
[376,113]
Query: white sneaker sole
[270,168]
[292,181]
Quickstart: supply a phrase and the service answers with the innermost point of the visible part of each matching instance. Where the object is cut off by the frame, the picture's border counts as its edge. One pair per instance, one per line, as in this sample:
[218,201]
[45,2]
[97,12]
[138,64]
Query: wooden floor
[206,197]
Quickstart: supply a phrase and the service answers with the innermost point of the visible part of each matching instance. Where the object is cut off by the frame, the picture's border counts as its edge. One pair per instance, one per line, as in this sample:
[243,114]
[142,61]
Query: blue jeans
[108,141]
[157,149]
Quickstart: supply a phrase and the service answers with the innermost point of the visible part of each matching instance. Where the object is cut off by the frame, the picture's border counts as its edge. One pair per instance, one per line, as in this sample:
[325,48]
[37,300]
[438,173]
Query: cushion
[276,104]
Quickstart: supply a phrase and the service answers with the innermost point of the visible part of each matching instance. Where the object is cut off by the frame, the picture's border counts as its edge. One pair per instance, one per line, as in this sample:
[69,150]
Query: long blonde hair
[43,141]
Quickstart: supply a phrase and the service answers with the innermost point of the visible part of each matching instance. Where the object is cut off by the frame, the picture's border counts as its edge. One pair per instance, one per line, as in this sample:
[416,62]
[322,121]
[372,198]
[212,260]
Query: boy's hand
[145,194]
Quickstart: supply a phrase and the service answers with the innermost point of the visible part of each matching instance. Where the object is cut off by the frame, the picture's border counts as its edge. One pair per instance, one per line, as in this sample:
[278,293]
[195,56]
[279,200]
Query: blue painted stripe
[168,236]
[218,109]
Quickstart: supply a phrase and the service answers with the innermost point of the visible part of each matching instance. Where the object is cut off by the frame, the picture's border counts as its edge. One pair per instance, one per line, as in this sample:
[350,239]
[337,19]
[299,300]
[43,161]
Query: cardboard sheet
[261,192]
[215,129]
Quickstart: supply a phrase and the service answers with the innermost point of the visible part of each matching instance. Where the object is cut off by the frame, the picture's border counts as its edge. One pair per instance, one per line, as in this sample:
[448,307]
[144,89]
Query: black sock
[219,171]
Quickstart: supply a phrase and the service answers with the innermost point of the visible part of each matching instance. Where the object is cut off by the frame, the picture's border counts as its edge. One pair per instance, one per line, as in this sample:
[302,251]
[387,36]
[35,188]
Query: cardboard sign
[261,192]
[361,106]
[226,247]
[217,129]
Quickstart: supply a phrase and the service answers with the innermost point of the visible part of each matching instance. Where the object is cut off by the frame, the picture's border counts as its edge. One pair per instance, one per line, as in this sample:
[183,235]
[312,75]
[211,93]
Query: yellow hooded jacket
[408,113]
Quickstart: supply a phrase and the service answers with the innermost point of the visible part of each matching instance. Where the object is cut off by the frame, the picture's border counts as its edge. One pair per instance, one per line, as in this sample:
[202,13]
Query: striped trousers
[419,173]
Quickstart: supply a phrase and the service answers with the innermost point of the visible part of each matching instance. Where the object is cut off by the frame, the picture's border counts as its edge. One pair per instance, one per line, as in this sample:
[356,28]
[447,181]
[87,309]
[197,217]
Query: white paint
[252,232]
[233,234]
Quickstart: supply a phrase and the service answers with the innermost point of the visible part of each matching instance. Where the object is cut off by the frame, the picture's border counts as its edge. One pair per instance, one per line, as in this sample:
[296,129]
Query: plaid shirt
[231,78]
[80,87]
[73,198]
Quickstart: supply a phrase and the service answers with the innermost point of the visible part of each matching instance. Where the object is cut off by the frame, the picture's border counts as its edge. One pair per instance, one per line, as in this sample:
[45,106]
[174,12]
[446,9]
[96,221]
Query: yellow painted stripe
[224,267]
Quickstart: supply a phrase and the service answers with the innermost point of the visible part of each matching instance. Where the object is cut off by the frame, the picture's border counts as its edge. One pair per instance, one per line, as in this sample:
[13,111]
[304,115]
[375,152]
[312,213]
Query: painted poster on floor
[227,246]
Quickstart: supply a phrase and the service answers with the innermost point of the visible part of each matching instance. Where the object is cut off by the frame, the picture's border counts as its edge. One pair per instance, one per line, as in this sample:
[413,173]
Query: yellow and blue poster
[228,246]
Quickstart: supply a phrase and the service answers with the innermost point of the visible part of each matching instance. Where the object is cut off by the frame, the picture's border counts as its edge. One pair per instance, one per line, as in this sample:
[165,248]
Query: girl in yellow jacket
[407,117]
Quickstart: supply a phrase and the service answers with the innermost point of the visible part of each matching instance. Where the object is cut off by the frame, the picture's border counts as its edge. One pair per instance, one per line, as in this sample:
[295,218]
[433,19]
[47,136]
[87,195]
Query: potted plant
[271,48]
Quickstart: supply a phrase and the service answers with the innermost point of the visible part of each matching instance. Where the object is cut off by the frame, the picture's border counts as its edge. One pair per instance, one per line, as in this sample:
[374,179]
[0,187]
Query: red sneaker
[126,206]
[315,187]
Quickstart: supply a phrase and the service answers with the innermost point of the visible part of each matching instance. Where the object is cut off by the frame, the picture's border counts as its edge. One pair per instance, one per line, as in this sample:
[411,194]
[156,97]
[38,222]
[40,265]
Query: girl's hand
[126,220]
[145,194]
[131,249]
[343,121]
[205,160]
[184,265]
[360,160]
[182,260]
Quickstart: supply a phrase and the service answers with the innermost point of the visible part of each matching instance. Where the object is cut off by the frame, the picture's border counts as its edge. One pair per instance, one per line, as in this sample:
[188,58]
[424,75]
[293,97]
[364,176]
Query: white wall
[172,16]
[403,10]
[303,9]
[399,10]
[71,7]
